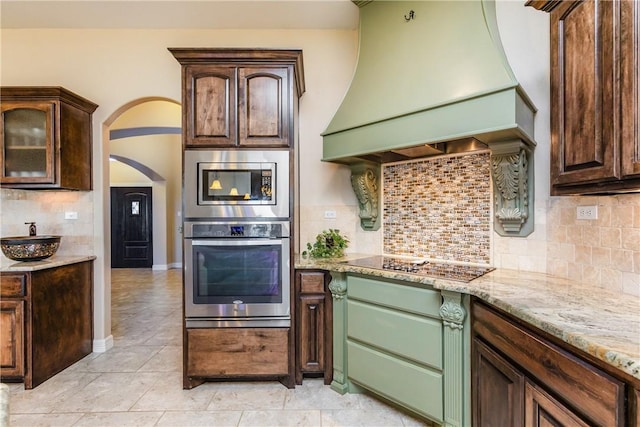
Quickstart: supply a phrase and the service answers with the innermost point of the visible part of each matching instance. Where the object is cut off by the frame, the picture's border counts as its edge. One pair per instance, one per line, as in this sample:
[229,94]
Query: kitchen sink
[29,248]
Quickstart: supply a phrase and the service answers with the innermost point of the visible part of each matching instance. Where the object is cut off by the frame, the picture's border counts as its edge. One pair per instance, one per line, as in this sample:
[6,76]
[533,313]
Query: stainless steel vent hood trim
[440,77]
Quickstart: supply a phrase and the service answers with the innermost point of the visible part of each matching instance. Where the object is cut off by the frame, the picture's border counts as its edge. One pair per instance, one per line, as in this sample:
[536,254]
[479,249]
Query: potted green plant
[328,244]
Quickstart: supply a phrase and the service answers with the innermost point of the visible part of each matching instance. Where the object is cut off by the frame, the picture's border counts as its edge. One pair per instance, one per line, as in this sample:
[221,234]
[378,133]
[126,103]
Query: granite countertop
[9,266]
[602,323]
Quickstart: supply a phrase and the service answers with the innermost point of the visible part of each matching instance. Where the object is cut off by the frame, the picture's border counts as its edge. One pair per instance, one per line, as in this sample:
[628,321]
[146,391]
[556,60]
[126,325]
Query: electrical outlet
[587,212]
[330,214]
[71,215]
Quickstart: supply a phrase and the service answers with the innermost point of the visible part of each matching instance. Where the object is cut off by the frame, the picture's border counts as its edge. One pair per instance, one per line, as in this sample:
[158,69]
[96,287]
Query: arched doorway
[142,126]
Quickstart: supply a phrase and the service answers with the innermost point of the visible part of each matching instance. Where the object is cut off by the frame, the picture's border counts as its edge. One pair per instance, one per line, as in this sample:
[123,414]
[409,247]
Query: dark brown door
[131,227]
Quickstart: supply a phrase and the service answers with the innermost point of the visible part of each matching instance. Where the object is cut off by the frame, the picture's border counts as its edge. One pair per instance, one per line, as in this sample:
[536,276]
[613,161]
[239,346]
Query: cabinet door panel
[394,331]
[210,106]
[11,339]
[497,389]
[27,138]
[408,384]
[630,88]
[263,107]
[582,66]
[542,410]
[312,329]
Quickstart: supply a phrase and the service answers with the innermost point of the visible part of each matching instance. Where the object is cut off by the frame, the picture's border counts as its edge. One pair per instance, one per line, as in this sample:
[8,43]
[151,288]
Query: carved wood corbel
[364,180]
[512,173]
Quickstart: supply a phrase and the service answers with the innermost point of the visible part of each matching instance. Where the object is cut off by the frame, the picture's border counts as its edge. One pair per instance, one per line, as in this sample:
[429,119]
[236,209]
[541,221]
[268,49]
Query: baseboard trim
[100,346]
[166,266]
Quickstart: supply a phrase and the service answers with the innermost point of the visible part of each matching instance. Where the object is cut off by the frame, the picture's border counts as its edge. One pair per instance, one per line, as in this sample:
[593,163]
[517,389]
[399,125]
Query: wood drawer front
[13,285]
[407,384]
[407,335]
[312,283]
[594,393]
[224,352]
[390,294]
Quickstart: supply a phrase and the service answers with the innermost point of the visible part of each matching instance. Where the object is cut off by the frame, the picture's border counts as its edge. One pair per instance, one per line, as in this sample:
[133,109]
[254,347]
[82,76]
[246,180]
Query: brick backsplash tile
[439,208]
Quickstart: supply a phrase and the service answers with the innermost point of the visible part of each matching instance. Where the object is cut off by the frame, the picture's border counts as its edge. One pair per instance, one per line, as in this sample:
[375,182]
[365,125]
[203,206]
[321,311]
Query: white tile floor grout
[139,381]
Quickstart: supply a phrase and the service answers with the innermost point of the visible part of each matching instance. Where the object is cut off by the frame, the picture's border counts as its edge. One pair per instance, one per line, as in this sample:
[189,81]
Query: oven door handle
[239,242]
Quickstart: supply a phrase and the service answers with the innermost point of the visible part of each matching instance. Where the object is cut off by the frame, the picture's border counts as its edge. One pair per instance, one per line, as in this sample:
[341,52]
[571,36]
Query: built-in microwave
[236,184]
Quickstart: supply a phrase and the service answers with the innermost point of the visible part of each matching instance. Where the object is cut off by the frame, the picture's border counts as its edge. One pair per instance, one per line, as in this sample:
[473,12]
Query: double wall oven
[237,238]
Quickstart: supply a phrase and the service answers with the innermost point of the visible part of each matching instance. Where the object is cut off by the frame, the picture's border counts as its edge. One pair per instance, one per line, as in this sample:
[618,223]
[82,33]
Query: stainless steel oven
[237,274]
[236,184]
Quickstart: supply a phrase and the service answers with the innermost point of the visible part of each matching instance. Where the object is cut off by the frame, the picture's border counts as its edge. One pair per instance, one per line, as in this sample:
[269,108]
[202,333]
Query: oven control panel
[234,230]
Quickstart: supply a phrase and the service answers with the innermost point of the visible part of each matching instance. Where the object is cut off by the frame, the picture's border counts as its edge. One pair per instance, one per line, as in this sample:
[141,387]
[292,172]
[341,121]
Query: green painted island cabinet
[406,343]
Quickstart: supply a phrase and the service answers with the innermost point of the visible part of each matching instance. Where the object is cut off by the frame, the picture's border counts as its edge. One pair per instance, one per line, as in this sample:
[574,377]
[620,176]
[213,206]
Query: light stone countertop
[602,323]
[10,266]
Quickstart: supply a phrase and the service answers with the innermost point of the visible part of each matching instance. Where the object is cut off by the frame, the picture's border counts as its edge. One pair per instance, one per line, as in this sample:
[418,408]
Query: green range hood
[429,74]
[432,78]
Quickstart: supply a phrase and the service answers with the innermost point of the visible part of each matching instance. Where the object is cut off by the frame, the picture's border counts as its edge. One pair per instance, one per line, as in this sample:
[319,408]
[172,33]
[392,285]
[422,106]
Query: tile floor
[139,381]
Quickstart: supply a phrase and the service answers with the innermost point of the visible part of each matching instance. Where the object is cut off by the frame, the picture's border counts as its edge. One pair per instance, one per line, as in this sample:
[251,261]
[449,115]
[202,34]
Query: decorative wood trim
[453,316]
[338,288]
[262,56]
[512,173]
[364,181]
[544,5]
[361,3]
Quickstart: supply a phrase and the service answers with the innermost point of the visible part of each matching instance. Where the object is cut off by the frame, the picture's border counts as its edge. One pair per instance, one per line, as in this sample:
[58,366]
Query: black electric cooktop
[437,269]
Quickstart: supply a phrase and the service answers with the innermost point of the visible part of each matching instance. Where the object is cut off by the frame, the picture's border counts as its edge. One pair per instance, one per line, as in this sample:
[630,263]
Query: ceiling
[192,14]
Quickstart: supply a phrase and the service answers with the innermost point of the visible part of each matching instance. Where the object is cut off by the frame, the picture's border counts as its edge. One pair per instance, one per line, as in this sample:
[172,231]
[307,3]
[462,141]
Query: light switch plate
[71,215]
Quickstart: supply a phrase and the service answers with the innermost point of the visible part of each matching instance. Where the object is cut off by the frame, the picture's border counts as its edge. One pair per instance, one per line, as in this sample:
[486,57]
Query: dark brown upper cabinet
[595,94]
[239,97]
[46,137]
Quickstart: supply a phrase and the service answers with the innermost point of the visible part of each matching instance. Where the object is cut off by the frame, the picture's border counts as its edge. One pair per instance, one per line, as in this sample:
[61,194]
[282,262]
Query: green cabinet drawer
[390,294]
[412,386]
[404,334]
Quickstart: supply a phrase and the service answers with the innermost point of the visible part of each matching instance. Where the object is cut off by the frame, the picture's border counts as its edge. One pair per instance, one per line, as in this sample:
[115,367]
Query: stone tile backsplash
[46,209]
[439,208]
[605,251]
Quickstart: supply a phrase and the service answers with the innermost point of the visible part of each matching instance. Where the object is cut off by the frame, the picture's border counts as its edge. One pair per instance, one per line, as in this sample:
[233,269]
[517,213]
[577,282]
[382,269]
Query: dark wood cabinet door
[497,389]
[542,410]
[314,323]
[583,121]
[46,138]
[630,87]
[634,415]
[264,106]
[27,138]
[210,106]
[11,338]
[311,352]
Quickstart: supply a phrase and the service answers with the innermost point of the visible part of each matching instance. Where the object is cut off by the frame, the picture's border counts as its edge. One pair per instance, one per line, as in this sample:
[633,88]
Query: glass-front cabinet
[27,141]
[46,138]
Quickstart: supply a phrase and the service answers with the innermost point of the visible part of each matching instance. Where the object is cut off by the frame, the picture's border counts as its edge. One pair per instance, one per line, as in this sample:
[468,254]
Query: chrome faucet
[32,228]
